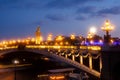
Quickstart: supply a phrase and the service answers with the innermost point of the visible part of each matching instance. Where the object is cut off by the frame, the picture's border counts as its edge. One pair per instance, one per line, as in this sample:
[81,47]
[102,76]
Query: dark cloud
[91,12]
[86,10]
[81,18]
[23,4]
[84,13]
[55,17]
[37,4]
[109,11]
[68,3]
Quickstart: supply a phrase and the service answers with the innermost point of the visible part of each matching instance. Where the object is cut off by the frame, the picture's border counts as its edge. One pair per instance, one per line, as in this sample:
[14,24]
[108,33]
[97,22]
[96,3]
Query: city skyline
[19,18]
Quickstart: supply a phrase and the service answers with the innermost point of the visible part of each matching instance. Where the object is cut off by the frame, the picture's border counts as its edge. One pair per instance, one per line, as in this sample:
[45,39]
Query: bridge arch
[24,56]
[56,57]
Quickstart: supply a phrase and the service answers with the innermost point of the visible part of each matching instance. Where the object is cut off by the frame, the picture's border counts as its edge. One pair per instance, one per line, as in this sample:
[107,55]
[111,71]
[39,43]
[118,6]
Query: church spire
[38,35]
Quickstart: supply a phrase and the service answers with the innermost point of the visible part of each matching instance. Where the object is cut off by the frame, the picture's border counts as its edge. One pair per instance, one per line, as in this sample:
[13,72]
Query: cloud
[68,3]
[38,4]
[86,10]
[55,17]
[23,4]
[109,11]
[81,18]
[91,11]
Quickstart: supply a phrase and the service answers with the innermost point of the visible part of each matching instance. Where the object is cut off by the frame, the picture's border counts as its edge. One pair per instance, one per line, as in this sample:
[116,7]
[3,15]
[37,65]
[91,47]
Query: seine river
[33,66]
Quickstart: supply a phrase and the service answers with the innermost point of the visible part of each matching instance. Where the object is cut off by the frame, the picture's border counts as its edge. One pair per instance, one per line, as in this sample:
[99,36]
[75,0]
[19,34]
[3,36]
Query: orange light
[39,40]
[66,43]
[107,26]
[27,41]
[89,35]
[57,77]
[59,38]
[61,43]
[4,42]
[46,58]
[18,40]
[33,39]
[23,41]
[111,41]
[72,36]
[49,38]
[10,42]
[13,41]
[56,43]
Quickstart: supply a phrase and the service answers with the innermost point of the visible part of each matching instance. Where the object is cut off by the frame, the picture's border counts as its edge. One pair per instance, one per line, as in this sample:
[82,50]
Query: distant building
[38,36]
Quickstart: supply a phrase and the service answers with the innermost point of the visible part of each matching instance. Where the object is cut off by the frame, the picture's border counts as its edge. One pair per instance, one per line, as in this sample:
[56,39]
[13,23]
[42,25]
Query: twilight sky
[20,18]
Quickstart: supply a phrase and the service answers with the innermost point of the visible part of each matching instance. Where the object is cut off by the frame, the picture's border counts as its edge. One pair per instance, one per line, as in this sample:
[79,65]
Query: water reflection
[39,65]
[32,73]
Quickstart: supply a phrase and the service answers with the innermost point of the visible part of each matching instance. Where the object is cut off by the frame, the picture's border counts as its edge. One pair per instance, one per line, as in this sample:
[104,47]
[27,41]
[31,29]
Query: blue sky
[20,18]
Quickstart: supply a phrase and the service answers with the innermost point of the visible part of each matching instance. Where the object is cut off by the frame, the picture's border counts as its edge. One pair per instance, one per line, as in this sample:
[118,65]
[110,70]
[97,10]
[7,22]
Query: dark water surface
[40,65]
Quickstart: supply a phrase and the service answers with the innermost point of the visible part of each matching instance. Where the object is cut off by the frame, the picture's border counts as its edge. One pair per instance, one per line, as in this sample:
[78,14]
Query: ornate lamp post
[107,28]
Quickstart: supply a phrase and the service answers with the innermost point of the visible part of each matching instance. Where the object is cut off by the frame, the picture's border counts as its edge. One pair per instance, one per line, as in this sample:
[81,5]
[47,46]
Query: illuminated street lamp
[15,62]
[91,32]
[107,28]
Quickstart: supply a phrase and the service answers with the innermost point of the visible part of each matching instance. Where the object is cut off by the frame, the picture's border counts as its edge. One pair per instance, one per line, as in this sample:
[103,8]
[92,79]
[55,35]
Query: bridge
[83,54]
[73,55]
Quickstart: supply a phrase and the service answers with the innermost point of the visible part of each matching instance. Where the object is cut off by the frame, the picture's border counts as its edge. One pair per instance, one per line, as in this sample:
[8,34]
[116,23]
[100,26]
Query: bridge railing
[92,48]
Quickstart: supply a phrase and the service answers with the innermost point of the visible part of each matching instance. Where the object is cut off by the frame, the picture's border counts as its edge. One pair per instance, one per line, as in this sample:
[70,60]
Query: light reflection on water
[6,75]
[21,76]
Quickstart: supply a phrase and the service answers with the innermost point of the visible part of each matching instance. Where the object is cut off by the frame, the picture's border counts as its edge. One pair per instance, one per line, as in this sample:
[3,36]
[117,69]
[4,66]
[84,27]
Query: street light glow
[59,38]
[16,62]
[49,38]
[72,36]
[93,30]
[107,26]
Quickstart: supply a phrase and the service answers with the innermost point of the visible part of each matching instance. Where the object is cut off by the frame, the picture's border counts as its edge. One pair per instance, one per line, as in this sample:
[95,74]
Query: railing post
[66,56]
[81,59]
[90,62]
[73,57]
[100,63]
